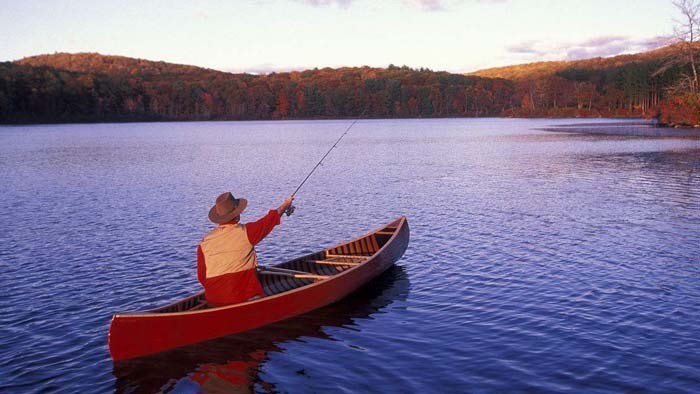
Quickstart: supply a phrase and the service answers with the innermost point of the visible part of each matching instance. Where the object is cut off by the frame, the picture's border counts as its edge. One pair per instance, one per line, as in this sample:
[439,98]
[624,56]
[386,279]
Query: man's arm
[260,228]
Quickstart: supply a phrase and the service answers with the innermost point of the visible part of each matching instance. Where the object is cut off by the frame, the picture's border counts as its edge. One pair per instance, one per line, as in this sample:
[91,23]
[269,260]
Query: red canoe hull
[133,335]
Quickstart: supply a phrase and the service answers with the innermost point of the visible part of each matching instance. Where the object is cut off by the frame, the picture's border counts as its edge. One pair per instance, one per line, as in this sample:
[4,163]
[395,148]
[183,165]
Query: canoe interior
[327,262]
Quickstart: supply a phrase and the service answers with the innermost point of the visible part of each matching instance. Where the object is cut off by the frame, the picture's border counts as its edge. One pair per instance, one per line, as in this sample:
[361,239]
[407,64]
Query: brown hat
[226,208]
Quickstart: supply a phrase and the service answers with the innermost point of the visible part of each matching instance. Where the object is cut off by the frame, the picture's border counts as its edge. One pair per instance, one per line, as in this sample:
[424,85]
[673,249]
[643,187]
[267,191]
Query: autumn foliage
[619,86]
[91,87]
[681,111]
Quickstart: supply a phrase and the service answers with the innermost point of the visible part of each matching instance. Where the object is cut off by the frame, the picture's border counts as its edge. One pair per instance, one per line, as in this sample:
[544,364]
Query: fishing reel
[290,210]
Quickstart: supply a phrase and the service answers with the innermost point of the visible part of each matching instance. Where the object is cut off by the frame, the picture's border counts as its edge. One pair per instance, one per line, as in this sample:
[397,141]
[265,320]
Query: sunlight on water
[538,261]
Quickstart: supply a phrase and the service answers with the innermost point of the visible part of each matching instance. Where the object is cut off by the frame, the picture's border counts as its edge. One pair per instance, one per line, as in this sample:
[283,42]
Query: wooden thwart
[293,275]
[284,270]
[345,256]
[333,262]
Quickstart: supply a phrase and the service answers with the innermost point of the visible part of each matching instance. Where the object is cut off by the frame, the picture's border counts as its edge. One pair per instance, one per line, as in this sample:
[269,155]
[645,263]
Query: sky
[262,36]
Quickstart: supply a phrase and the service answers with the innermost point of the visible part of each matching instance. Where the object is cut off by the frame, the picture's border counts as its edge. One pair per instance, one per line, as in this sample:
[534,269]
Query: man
[226,259]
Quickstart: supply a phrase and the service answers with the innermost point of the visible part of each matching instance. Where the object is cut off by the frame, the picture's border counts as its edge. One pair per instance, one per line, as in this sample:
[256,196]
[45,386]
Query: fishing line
[291,208]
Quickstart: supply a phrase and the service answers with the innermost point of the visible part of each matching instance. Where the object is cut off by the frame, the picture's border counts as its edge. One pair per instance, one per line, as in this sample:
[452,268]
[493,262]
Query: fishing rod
[290,209]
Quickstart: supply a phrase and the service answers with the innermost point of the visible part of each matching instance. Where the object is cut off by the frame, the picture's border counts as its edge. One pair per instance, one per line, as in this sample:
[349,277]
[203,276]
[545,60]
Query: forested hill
[111,65]
[541,69]
[625,85]
[93,87]
[88,87]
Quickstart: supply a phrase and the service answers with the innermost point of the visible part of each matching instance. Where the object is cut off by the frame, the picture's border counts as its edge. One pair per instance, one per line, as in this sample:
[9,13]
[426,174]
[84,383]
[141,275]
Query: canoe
[291,288]
[250,349]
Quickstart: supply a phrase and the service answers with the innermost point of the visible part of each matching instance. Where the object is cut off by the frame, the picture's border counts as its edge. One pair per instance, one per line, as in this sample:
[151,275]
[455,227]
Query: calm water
[539,261]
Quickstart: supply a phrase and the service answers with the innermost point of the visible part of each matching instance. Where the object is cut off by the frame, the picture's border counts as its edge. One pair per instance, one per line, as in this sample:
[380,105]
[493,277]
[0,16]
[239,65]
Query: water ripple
[547,262]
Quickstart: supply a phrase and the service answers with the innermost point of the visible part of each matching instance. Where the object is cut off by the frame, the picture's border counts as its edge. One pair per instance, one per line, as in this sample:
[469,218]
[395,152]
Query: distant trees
[92,87]
[611,88]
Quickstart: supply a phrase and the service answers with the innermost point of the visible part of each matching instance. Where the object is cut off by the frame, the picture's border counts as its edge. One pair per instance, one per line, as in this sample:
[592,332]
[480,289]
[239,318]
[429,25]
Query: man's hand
[285,204]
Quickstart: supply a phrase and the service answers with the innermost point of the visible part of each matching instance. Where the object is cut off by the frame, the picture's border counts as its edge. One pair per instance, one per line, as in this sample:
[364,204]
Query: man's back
[226,259]
[231,261]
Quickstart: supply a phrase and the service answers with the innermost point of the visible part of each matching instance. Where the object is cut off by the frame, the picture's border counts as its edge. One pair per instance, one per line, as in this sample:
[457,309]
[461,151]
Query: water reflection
[232,364]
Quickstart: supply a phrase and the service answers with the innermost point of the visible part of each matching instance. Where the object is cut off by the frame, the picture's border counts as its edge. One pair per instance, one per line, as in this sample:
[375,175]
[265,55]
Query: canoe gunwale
[399,223]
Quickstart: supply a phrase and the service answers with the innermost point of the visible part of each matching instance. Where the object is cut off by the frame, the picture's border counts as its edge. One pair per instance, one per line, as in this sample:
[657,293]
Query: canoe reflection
[231,364]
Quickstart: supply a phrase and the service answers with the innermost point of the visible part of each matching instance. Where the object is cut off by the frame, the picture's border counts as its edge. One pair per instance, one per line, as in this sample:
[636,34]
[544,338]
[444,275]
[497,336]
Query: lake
[539,261]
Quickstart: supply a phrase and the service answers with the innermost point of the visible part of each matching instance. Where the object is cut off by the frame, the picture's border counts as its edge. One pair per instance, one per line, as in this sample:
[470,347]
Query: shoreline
[128,121]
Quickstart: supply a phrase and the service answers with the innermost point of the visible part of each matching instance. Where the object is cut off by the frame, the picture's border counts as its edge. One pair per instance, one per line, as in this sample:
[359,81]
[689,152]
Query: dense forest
[626,85]
[92,87]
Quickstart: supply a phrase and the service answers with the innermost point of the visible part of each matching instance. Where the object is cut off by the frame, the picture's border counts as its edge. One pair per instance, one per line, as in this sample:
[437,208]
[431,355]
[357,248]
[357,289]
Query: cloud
[656,42]
[602,41]
[527,47]
[603,46]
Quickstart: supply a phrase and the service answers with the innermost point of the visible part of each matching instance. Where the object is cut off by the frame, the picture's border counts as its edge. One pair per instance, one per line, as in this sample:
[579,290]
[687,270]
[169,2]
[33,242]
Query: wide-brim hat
[226,208]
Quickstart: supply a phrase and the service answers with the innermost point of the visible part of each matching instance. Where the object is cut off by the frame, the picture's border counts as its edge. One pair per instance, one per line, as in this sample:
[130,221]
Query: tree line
[92,87]
[633,89]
